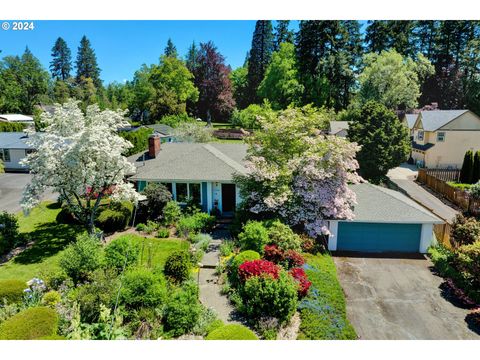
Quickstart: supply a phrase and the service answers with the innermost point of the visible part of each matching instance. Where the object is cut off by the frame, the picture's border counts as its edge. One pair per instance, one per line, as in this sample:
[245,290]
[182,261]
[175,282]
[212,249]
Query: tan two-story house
[441,137]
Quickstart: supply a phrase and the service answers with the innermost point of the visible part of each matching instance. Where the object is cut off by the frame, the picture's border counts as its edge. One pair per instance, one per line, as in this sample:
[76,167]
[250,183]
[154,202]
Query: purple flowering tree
[299,174]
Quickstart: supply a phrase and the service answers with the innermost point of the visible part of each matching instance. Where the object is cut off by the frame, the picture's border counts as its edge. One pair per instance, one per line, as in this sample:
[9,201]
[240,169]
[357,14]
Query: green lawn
[50,239]
[154,252]
[322,311]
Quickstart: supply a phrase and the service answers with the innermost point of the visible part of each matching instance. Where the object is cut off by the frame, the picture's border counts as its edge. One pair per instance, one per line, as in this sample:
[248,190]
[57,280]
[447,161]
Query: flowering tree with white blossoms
[299,174]
[79,156]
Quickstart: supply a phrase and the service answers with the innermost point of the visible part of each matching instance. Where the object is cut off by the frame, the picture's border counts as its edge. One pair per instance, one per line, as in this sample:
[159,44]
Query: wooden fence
[436,179]
[442,234]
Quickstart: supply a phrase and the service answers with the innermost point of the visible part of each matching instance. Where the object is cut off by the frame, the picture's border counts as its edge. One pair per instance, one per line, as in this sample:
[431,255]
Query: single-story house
[441,137]
[338,128]
[17,118]
[13,148]
[165,132]
[385,220]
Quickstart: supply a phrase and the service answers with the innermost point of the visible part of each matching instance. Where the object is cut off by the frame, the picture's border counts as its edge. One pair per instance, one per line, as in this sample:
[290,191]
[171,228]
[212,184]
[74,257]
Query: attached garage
[385,221]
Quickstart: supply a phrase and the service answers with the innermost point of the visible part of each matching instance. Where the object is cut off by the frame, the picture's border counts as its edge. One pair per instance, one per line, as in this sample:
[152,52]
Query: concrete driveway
[11,188]
[392,298]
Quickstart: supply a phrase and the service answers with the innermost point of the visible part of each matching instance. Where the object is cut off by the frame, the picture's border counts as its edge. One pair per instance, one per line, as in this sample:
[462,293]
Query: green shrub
[81,258]
[143,288]
[141,227]
[171,213]
[281,235]
[116,217]
[138,138]
[465,231]
[65,216]
[51,298]
[9,235]
[175,120]
[163,233]
[102,289]
[253,237]
[467,261]
[177,266]
[207,322]
[238,260]
[232,332]
[157,197]
[54,278]
[459,186]
[226,248]
[248,117]
[121,252]
[52,337]
[11,291]
[466,173]
[11,126]
[202,241]
[474,190]
[182,311]
[189,225]
[264,296]
[30,324]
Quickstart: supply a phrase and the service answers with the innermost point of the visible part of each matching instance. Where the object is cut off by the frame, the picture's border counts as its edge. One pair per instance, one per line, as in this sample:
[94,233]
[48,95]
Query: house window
[420,135]
[168,186]
[5,155]
[182,192]
[194,193]
[441,136]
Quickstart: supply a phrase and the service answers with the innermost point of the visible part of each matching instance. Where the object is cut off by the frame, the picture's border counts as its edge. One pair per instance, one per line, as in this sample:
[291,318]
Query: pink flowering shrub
[302,280]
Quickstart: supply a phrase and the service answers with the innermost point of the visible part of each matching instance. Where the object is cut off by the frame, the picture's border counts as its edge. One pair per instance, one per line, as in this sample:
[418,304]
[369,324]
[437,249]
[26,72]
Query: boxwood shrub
[177,266]
[11,291]
[253,237]
[142,287]
[123,251]
[30,324]
[232,332]
[116,217]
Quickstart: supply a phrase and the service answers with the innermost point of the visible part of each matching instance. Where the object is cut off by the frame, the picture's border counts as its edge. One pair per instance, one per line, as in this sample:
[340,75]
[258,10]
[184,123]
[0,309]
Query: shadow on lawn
[48,240]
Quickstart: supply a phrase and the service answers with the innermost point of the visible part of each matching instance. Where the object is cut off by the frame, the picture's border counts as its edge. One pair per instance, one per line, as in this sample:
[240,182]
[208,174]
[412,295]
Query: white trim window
[184,191]
[420,135]
[441,136]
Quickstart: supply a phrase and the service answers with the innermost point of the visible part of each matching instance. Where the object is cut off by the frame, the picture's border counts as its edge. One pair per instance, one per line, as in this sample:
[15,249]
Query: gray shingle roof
[411,118]
[337,126]
[378,204]
[13,140]
[161,128]
[433,120]
[191,162]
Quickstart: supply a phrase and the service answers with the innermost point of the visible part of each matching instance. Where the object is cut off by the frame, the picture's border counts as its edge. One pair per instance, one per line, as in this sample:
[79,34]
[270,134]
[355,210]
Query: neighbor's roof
[411,118]
[161,128]
[435,119]
[13,140]
[191,162]
[16,118]
[378,204]
[337,126]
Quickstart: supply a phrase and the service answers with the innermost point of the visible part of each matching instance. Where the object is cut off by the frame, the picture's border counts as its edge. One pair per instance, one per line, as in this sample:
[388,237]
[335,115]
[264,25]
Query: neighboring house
[17,118]
[338,128]
[386,220]
[201,171]
[13,148]
[166,132]
[441,137]
[409,121]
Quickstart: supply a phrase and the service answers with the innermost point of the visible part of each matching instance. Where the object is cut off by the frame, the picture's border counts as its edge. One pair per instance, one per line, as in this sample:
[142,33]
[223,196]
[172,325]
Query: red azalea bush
[257,268]
[294,259]
[301,278]
[273,253]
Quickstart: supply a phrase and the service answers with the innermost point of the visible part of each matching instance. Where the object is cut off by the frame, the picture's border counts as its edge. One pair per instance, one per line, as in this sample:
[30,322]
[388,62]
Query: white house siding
[16,155]
[426,238]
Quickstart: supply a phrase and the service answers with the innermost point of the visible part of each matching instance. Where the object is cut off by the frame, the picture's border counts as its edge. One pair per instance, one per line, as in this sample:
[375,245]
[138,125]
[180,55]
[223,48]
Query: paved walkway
[210,289]
[404,176]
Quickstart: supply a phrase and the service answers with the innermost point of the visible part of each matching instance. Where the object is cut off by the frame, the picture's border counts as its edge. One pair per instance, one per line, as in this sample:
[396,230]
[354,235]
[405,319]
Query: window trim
[422,133]
[444,135]
[188,183]
[4,157]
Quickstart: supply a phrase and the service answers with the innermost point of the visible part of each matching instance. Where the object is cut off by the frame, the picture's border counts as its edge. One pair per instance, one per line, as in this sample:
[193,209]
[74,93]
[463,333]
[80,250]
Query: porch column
[209,197]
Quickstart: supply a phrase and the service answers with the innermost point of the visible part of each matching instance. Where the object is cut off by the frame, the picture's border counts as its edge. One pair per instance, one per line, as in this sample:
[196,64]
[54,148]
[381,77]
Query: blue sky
[123,46]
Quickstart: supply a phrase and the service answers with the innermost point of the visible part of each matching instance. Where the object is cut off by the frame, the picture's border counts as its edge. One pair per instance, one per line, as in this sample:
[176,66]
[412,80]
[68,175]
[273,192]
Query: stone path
[210,289]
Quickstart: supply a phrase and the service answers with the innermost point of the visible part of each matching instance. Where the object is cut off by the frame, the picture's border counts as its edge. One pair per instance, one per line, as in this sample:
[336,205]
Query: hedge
[11,290]
[30,324]
[116,217]
[232,332]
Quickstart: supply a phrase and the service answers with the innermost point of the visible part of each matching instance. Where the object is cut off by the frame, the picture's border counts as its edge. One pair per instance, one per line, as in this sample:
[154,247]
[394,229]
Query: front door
[228,197]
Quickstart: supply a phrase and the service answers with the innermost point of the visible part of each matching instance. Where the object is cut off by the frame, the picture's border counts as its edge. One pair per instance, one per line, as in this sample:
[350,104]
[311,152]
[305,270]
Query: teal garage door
[378,237]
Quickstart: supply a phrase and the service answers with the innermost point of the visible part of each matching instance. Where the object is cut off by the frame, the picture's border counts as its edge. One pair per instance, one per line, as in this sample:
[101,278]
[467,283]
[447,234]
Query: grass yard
[154,252]
[50,239]
[323,311]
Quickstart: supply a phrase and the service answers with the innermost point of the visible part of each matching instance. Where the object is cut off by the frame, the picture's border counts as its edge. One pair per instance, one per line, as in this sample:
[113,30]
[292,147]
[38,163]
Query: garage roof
[378,204]
[14,140]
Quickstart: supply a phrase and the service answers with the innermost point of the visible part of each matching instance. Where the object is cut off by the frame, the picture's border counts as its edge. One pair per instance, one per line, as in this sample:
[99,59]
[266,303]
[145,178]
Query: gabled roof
[191,162]
[378,204]
[411,118]
[433,120]
[13,140]
[337,126]
[16,118]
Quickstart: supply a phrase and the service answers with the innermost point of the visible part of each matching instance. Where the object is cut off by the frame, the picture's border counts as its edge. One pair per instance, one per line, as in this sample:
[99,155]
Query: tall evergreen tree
[211,77]
[191,58]
[61,63]
[390,34]
[476,167]
[170,49]
[283,33]
[86,63]
[466,173]
[260,55]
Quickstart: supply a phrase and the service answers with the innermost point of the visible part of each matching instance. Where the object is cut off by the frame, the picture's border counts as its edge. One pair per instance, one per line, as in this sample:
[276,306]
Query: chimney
[153,145]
